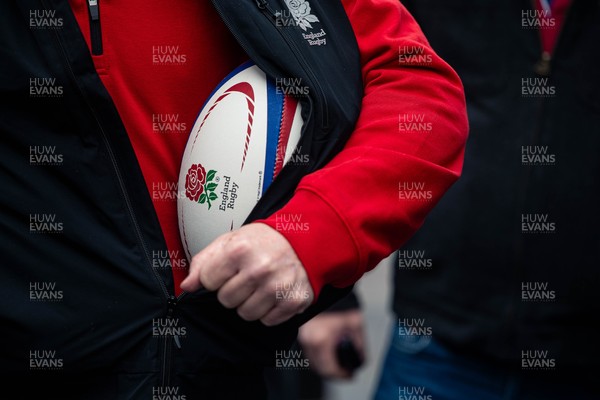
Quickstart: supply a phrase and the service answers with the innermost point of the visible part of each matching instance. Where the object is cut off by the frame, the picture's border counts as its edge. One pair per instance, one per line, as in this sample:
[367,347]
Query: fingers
[256,306]
[321,351]
[224,262]
[356,332]
[329,364]
[214,265]
[255,270]
[266,304]
[285,309]
[320,336]
[193,282]
[235,291]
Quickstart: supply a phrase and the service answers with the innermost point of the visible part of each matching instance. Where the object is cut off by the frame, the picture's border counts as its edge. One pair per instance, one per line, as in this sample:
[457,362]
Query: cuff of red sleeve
[321,239]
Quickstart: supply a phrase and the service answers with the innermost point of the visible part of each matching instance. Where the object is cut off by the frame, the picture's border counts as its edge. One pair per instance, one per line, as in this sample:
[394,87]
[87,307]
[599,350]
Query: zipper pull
[95,29]
[171,304]
[94,12]
[543,66]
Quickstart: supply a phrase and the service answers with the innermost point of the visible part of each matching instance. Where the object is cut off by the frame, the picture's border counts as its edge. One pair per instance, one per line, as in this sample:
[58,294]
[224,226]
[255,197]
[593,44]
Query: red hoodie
[160,63]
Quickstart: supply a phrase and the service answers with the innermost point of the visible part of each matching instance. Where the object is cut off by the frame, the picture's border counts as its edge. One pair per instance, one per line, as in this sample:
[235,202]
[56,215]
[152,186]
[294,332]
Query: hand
[320,336]
[255,270]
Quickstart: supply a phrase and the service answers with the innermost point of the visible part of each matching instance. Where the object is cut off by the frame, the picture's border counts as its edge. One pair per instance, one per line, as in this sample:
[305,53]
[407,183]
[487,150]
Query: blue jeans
[421,368]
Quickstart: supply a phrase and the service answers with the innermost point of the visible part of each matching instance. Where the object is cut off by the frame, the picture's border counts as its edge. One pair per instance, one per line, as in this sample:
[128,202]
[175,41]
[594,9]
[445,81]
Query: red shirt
[555,12]
[162,60]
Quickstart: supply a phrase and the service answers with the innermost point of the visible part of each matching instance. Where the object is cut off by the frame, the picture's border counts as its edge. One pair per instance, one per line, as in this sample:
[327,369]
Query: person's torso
[508,260]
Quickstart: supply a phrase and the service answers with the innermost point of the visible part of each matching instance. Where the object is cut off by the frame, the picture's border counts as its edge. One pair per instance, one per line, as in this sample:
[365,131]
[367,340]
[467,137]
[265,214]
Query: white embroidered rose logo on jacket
[300,10]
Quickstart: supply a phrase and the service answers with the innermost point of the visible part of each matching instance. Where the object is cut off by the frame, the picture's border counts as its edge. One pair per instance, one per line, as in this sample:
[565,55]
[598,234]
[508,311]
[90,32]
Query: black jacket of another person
[509,261]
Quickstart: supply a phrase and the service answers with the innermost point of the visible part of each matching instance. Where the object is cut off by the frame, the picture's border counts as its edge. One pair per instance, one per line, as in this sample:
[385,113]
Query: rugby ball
[245,133]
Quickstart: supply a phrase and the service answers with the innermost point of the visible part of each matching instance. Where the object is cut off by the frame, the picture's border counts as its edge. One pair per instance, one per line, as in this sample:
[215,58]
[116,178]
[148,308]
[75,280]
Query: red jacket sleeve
[406,151]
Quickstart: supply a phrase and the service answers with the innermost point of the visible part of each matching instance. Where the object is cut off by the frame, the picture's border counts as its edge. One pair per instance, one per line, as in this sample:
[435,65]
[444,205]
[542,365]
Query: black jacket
[485,283]
[78,228]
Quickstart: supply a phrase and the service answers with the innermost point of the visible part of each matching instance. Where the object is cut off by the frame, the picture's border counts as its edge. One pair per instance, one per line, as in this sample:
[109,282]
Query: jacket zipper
[268,11]
[117,170]
[168,344]
[95,29]
[124,193]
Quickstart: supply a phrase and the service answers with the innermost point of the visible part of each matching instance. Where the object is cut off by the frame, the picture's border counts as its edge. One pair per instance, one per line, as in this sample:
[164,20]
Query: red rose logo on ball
[199,186]
[194,182]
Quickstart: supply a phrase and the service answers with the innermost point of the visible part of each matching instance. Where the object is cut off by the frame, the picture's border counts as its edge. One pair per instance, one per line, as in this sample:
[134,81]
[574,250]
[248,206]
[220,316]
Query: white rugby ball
[244,134]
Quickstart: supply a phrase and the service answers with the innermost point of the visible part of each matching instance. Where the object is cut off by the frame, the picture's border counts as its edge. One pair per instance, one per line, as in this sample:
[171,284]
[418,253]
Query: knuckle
[257,273]
[238,247]
[293,305]
[300,303]
[228,269]
[207,281]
